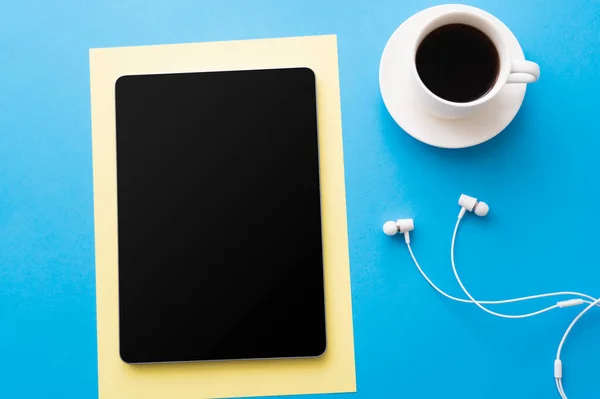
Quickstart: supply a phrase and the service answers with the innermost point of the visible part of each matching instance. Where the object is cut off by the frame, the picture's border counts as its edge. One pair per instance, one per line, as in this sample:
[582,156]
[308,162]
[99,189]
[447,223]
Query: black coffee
[458,63]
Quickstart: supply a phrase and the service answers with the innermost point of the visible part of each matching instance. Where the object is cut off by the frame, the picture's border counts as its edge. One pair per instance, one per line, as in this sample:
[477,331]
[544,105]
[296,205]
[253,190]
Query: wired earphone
[480,208]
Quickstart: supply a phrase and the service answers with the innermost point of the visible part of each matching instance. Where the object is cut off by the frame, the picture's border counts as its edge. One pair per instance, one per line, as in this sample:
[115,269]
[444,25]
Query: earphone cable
[575,320]
[479,303]
[470,204]
[558,377]
[561,391]
[559,385]
[495,302]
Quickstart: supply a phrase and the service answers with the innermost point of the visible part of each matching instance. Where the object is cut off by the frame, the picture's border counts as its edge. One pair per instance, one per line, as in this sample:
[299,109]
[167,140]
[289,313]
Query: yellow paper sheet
[334,371]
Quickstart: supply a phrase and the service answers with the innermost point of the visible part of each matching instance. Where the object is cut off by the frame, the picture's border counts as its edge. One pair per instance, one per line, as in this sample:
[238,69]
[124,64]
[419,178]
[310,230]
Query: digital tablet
[219,216]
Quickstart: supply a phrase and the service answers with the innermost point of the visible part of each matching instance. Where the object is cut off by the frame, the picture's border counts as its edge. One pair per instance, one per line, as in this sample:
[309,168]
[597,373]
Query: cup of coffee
[461,62]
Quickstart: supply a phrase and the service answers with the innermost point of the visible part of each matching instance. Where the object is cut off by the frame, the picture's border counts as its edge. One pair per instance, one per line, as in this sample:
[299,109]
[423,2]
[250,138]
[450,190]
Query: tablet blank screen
[219,219]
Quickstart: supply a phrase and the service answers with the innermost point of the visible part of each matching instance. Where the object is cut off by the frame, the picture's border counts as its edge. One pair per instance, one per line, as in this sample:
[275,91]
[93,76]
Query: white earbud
[472,204]
[403,226]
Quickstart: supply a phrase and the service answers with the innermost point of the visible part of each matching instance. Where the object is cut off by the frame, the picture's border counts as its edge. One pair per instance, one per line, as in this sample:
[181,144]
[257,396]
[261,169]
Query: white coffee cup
[511,70]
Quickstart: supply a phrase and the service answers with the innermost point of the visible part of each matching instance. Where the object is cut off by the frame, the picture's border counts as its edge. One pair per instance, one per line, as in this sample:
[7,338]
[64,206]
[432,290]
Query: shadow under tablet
[219,217]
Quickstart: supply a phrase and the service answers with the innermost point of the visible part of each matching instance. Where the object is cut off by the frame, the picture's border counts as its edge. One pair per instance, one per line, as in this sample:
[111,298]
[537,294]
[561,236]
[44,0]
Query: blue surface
[539,176]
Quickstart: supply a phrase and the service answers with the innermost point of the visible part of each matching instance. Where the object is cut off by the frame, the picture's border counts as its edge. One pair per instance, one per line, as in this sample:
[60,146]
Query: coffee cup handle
[524,72]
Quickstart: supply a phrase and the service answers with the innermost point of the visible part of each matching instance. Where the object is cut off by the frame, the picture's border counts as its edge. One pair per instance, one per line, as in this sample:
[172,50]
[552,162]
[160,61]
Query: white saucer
[397,90]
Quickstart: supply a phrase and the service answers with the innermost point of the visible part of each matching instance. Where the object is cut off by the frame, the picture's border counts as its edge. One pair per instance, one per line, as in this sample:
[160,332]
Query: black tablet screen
[219,219]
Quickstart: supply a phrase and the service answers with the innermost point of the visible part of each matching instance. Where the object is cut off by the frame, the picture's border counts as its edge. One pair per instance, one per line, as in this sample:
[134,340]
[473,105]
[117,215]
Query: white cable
[590,301]
[575,320]
[478,303]
[497,302]
[591,304]
[561,390]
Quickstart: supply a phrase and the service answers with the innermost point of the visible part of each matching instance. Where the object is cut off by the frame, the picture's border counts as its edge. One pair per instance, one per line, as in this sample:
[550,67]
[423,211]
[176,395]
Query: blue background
[539,176]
